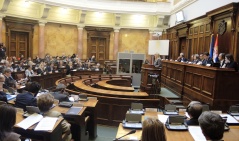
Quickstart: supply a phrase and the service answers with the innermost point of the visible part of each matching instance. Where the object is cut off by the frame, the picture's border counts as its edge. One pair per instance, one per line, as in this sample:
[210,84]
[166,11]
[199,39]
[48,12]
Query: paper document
[187,115]
[29,121]
[163,118]
[230,119]
[196,133]
[236,117]
[46,124]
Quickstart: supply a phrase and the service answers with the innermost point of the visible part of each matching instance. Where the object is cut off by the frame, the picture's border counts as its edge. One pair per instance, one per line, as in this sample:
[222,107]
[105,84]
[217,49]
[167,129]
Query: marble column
[41,47]
[151,38]
[80,42]
[116,43]
[1,22]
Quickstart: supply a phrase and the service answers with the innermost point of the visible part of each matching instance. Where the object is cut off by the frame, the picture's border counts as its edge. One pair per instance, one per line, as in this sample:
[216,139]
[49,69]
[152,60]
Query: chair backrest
[136,106]
[32,109]
[234,108]
[205,107]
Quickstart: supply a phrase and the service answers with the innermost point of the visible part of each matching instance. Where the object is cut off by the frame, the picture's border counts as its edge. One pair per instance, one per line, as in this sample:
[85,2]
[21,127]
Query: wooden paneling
[198,33]
[215,86]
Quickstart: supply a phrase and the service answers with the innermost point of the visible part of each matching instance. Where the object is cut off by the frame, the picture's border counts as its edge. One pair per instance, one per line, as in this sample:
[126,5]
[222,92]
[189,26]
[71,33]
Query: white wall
[199,8]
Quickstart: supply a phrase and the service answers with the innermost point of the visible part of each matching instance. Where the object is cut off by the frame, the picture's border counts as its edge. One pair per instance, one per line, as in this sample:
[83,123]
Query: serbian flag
[211,46]
[215,50]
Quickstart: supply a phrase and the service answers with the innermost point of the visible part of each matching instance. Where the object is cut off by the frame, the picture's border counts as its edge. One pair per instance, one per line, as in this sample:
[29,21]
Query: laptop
[176,123]
[83,97]
[170,110]
[10,97]
[132,121]
[234,110]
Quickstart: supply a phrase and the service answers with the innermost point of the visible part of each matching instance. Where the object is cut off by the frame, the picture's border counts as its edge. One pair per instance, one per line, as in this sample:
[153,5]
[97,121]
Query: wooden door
[98,48]
[18,44]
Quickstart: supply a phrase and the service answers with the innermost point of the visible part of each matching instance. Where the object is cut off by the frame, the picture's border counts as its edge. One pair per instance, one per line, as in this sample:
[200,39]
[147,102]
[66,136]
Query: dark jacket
[9,82]
[207,61]
[25,99]
[192,121]
[232,65]
[3,96]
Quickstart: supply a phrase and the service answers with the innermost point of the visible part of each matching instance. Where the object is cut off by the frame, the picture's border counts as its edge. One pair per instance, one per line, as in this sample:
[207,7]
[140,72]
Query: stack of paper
[196,133]
[163,118]
[29,121]
[230,119]
[45,124]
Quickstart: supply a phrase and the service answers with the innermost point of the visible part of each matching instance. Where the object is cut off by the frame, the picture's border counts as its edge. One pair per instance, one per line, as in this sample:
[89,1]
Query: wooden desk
[82,86]
[231,135]
[48,80]
[215,86]
[108,85]
[147,83]
[54,135]
[85,72]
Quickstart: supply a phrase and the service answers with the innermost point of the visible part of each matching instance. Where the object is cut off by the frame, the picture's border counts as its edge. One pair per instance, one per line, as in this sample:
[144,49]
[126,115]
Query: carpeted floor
[105,133]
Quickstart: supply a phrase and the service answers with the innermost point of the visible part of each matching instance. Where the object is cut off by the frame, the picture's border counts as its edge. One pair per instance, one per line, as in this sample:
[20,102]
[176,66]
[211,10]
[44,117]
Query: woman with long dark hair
[7,121]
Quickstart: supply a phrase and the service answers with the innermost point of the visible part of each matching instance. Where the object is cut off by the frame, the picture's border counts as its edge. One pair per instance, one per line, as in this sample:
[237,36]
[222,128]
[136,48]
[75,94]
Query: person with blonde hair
[153,130]
[44,103]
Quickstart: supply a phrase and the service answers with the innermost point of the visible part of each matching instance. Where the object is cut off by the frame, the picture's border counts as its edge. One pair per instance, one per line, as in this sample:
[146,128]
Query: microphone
[131,132]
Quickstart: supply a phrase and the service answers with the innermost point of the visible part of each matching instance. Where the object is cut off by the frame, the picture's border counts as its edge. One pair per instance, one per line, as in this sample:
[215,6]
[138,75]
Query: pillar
[116,43]
[80,42]
[41,47]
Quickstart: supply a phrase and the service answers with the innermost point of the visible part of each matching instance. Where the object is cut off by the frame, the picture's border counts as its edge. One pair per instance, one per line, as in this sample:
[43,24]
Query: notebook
[74,111]
[10,97]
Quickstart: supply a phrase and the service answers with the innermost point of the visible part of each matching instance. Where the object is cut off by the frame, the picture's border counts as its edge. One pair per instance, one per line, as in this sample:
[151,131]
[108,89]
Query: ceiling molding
[112,6]
[181,5]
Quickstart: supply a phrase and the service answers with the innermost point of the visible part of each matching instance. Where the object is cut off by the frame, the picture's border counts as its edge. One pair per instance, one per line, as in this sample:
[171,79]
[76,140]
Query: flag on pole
[211,46]
[215,50]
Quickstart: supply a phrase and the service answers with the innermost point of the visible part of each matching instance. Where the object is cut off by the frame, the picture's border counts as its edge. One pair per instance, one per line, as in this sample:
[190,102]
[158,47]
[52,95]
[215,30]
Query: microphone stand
[131,132]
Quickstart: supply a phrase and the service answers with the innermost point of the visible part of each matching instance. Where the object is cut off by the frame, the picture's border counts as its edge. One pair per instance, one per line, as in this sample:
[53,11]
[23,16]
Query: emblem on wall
[222,27]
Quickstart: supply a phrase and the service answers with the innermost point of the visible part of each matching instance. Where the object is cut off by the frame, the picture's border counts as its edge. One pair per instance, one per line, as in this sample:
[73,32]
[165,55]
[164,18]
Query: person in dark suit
[221,58]
[3,96]
[2,51]
[181,58]
[9,81]
[230,63]
[207,60]
[28,98]
[212,125]
[194,110]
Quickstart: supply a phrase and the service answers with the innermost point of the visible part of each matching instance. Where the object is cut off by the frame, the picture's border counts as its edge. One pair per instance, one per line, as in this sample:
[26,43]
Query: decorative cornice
[181,5]
[113,6]
[80,26]
[42,23]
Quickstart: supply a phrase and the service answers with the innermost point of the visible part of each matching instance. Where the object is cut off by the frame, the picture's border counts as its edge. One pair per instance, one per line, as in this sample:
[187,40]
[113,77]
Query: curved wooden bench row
[111,110]
[115,84]
[81,85]
[71,79]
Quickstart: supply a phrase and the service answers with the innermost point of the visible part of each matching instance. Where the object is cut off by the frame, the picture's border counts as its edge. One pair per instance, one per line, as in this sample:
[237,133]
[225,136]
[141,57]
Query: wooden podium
[150,79]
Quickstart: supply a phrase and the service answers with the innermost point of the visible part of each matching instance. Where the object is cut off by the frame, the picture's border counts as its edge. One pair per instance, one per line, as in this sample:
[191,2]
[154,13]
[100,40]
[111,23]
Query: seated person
[212,125]
[28,98]
[29,72]
[194,110]
[69,67]
[207,59]
[45,103]
[153,130]
[181,58]
[221,58]
[9,81]
[230,63]
[7,121]
[157,61]
[3,96]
